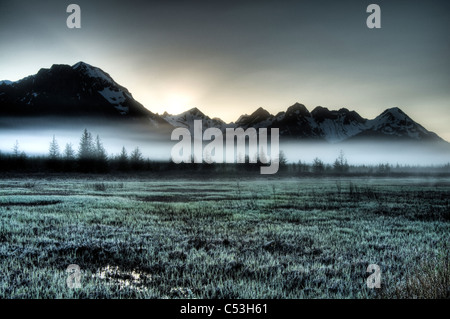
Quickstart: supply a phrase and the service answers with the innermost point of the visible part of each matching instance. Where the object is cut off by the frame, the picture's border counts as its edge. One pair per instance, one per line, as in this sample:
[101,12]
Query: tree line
[92,157]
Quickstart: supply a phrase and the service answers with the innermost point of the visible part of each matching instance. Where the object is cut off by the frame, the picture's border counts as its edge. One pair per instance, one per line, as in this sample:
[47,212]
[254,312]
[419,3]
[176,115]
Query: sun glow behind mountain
[175,102]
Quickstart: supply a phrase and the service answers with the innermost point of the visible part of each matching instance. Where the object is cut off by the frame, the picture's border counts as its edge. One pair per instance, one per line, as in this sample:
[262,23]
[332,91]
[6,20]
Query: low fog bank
[37,142]
[34,139]
[370,153]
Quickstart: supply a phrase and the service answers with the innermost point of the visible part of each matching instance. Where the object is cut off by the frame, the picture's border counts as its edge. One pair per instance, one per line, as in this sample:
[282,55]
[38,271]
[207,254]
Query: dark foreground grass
[289,238]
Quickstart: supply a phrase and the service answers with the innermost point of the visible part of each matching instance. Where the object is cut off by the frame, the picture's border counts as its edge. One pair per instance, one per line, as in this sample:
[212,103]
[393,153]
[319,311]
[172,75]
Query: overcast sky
[231,57]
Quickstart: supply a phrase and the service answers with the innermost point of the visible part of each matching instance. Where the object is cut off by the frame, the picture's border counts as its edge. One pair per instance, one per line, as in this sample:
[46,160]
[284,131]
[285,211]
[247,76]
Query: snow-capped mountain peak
[105,86]
[259,118]
[395,123]
[64,90]
[81,64]
[194,112]
[93,72]
[297,109]
[187,118]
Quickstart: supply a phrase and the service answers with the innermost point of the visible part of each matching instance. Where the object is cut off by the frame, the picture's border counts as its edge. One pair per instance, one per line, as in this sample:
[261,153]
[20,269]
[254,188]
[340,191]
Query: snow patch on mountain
[335,131]
[395,122]
[186,120]
[111,91]
[112,96]
[116,98]
[94,73]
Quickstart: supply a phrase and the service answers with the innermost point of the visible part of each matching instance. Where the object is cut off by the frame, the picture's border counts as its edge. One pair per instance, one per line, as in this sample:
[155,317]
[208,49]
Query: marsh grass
[179,238]
[30,184]
[430,279]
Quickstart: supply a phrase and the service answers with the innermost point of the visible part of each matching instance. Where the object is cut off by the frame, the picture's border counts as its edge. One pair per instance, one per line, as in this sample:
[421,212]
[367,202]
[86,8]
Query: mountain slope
[394,124]
[66,91]
[186,120]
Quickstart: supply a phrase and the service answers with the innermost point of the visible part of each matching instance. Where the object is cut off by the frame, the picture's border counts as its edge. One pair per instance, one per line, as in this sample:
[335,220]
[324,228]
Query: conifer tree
[54,153]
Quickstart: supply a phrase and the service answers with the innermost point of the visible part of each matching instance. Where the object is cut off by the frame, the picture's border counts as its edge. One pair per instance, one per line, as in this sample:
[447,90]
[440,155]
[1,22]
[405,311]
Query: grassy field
[247,238]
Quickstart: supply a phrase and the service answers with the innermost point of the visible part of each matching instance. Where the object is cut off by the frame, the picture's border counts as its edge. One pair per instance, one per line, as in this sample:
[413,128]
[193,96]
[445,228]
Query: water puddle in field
[123,279]
[135,280]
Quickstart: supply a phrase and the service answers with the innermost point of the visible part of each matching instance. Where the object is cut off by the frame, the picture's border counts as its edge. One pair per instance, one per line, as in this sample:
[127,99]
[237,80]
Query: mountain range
[82,91]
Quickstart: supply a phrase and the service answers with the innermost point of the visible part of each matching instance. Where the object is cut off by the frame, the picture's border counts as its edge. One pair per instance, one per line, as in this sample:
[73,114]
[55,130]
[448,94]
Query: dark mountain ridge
[86,93]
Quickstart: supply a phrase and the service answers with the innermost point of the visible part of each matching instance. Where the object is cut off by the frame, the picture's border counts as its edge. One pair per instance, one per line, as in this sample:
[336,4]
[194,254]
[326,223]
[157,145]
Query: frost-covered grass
[260,238]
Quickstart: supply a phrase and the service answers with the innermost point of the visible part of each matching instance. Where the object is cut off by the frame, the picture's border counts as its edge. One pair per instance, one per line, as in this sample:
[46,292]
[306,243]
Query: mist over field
[373,153]
[35,142]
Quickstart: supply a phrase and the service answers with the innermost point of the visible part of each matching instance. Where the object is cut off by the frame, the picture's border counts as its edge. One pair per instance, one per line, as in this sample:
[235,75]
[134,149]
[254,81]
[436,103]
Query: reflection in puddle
[124,279]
